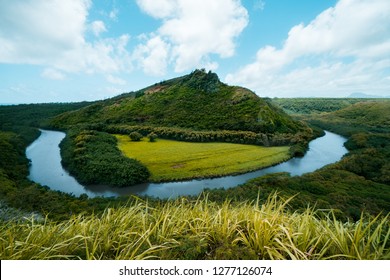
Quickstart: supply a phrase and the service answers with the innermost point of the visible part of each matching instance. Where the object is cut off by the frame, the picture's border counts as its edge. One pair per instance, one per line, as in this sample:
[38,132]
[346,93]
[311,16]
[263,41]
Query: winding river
[46,169]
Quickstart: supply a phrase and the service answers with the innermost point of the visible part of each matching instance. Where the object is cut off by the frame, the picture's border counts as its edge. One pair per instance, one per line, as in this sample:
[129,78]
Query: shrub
[152,137]
[135,136]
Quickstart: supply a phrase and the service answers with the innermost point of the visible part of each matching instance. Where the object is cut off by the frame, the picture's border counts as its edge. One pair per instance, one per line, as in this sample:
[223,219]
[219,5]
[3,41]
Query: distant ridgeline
[192,108]
[197,107]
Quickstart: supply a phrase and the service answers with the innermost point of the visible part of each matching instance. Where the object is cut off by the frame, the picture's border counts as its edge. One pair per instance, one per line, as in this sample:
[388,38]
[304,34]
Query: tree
[152,137]
[135,136]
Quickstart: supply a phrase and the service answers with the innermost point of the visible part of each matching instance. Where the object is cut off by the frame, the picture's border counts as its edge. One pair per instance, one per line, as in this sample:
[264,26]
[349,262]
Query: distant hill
[372,116]
[198,101]
[34,114]
[316,105]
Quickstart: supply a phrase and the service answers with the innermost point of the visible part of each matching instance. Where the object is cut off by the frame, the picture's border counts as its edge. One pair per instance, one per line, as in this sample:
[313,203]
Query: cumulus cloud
[35,31]
[158,8]
[52,33]
[343,48]
[191,31]
[153,56]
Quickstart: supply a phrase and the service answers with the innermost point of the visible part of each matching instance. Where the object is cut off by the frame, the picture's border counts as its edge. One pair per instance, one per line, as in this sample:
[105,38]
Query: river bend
[46,169]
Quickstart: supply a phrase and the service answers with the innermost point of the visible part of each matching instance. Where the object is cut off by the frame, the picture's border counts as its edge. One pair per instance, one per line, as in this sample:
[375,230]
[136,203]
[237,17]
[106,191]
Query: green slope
[369,116]
[197,101]
[305,106]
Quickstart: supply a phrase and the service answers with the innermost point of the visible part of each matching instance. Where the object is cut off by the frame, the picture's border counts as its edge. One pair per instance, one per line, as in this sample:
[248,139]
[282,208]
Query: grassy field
[169,160]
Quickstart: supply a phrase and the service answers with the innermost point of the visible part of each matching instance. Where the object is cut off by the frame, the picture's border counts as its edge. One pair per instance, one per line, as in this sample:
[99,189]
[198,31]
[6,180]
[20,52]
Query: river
[46,169]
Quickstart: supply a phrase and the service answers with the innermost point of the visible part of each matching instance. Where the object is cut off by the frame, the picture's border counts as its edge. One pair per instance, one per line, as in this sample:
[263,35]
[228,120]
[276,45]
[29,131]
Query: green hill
[373,114]
[198,101]
[196,107]
[370,116]
[315,105]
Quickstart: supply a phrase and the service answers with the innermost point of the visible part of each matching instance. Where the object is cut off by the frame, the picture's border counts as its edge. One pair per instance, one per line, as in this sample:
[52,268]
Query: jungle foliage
[93,158]
[366,117]
[19,117]
[228,136]
[357,183]
[309,106]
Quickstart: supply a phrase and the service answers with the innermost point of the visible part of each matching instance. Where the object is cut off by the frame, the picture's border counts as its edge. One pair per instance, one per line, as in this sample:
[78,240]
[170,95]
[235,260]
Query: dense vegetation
[329,188]
[309,106]
[169,160]
[200,229]
[93,158]
[228,136]
[198,101]
[364,117]
[24,119]
[357,183]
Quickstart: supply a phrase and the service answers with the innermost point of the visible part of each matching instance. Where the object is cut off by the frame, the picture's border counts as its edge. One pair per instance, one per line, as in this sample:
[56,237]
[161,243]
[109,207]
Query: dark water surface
[46,169]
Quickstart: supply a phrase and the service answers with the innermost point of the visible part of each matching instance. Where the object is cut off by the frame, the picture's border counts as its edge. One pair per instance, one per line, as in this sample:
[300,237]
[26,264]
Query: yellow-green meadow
[174,160]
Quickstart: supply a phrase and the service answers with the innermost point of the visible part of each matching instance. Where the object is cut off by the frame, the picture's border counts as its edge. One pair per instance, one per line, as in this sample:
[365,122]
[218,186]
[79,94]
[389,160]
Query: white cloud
[153,56]
[52,34]
[344,47]
[34,31]
[159,8]
[194,30]
[98,27]
[52,74]
[115,80]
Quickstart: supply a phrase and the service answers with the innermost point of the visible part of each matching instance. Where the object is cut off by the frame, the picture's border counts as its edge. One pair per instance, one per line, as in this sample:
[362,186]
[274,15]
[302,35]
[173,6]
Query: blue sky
[75,50]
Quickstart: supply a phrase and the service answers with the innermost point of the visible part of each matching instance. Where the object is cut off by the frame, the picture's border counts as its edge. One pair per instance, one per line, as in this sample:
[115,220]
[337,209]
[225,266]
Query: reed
[198,229]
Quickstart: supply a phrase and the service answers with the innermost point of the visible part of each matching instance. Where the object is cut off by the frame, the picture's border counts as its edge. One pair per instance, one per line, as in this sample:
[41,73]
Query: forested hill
[314,105]
[198,101]
[369,116]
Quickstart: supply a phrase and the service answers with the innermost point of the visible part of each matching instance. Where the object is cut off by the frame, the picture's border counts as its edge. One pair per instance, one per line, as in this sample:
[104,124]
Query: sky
[77,50]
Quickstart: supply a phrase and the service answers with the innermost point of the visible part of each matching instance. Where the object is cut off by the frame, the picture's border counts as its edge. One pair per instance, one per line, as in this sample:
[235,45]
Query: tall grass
[184,229]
